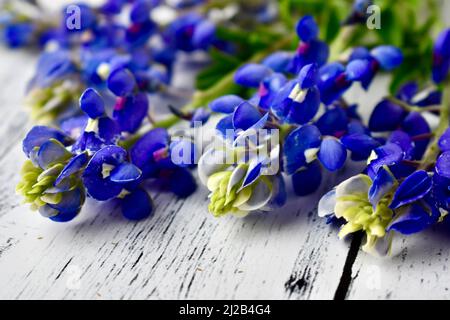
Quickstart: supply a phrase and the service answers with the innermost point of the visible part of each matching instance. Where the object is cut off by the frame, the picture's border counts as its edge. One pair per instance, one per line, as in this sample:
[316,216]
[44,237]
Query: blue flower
[50,179]
[100,130]
[310,50]
[359,13]
[153,154]
[251,74]
[301,149]
[298,100]
[19,34]
[363,204]
[108,173]
[441,56]
[130,111]
[121,82]
[382,57]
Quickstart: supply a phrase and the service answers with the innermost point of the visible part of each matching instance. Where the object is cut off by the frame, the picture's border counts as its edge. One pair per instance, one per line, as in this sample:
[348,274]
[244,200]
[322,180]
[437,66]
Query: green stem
[433,149]
[411,108]
[341,43]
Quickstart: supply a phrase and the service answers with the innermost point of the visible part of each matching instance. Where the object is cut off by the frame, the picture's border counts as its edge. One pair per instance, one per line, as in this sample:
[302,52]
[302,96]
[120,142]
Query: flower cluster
[277,90]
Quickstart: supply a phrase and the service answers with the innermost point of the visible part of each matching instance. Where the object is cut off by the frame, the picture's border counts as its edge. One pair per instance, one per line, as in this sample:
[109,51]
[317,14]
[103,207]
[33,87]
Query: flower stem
[341,43]
[433,150]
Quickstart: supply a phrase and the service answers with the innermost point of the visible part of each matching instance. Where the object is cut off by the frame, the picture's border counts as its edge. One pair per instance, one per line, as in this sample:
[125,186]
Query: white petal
[237,175]
[261,195]
[358,184]
[209,163]
[327,204]
[311,154]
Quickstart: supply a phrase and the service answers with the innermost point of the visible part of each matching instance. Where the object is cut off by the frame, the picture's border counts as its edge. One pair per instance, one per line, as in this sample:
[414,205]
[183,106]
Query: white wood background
[182,252]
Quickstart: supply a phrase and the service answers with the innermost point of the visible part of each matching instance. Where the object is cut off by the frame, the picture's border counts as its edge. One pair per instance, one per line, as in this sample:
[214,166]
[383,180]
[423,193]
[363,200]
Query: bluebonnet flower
[54,88]
[19,34]
[50,178]
[335,79]
[380,58]
[278,61]
[359,13]
[153,153]
[100,130]
[304,148]
[251,74]
[298,100]
[247,184]
[109,175]
[190,32]
[364,205]
[441,56]
[311,50]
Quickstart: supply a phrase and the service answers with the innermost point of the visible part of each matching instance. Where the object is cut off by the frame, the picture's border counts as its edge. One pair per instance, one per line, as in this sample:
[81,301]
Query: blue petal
[360,143]
[40,134]
[74,165]
[332,154]
[250,75]
[382,184]
[308,180]
[201,116]
[387,155]
[308,76]
[444,141]
[137,205]
[269,88]
[413,188]
[404,141]
[305,111]
[443,165]
[441,56]
[130,114]
[314,51]
[125,172]
[333,122]
[92,104]
[140,11]
[225,127]
[278,61]
[379,121]
[65,216]
[108,130]
[142,153]
[225,104]
[50,153]
[204,34]
[407,91]
[414,124]
[389,57]
[307,28]
[245,116]
[295,145]
[441,191]
[121,82]
[100,188]
[359,53]
[182,183]
[253,173]
[71,202]
[356,70]
[412,220]
[51,67]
